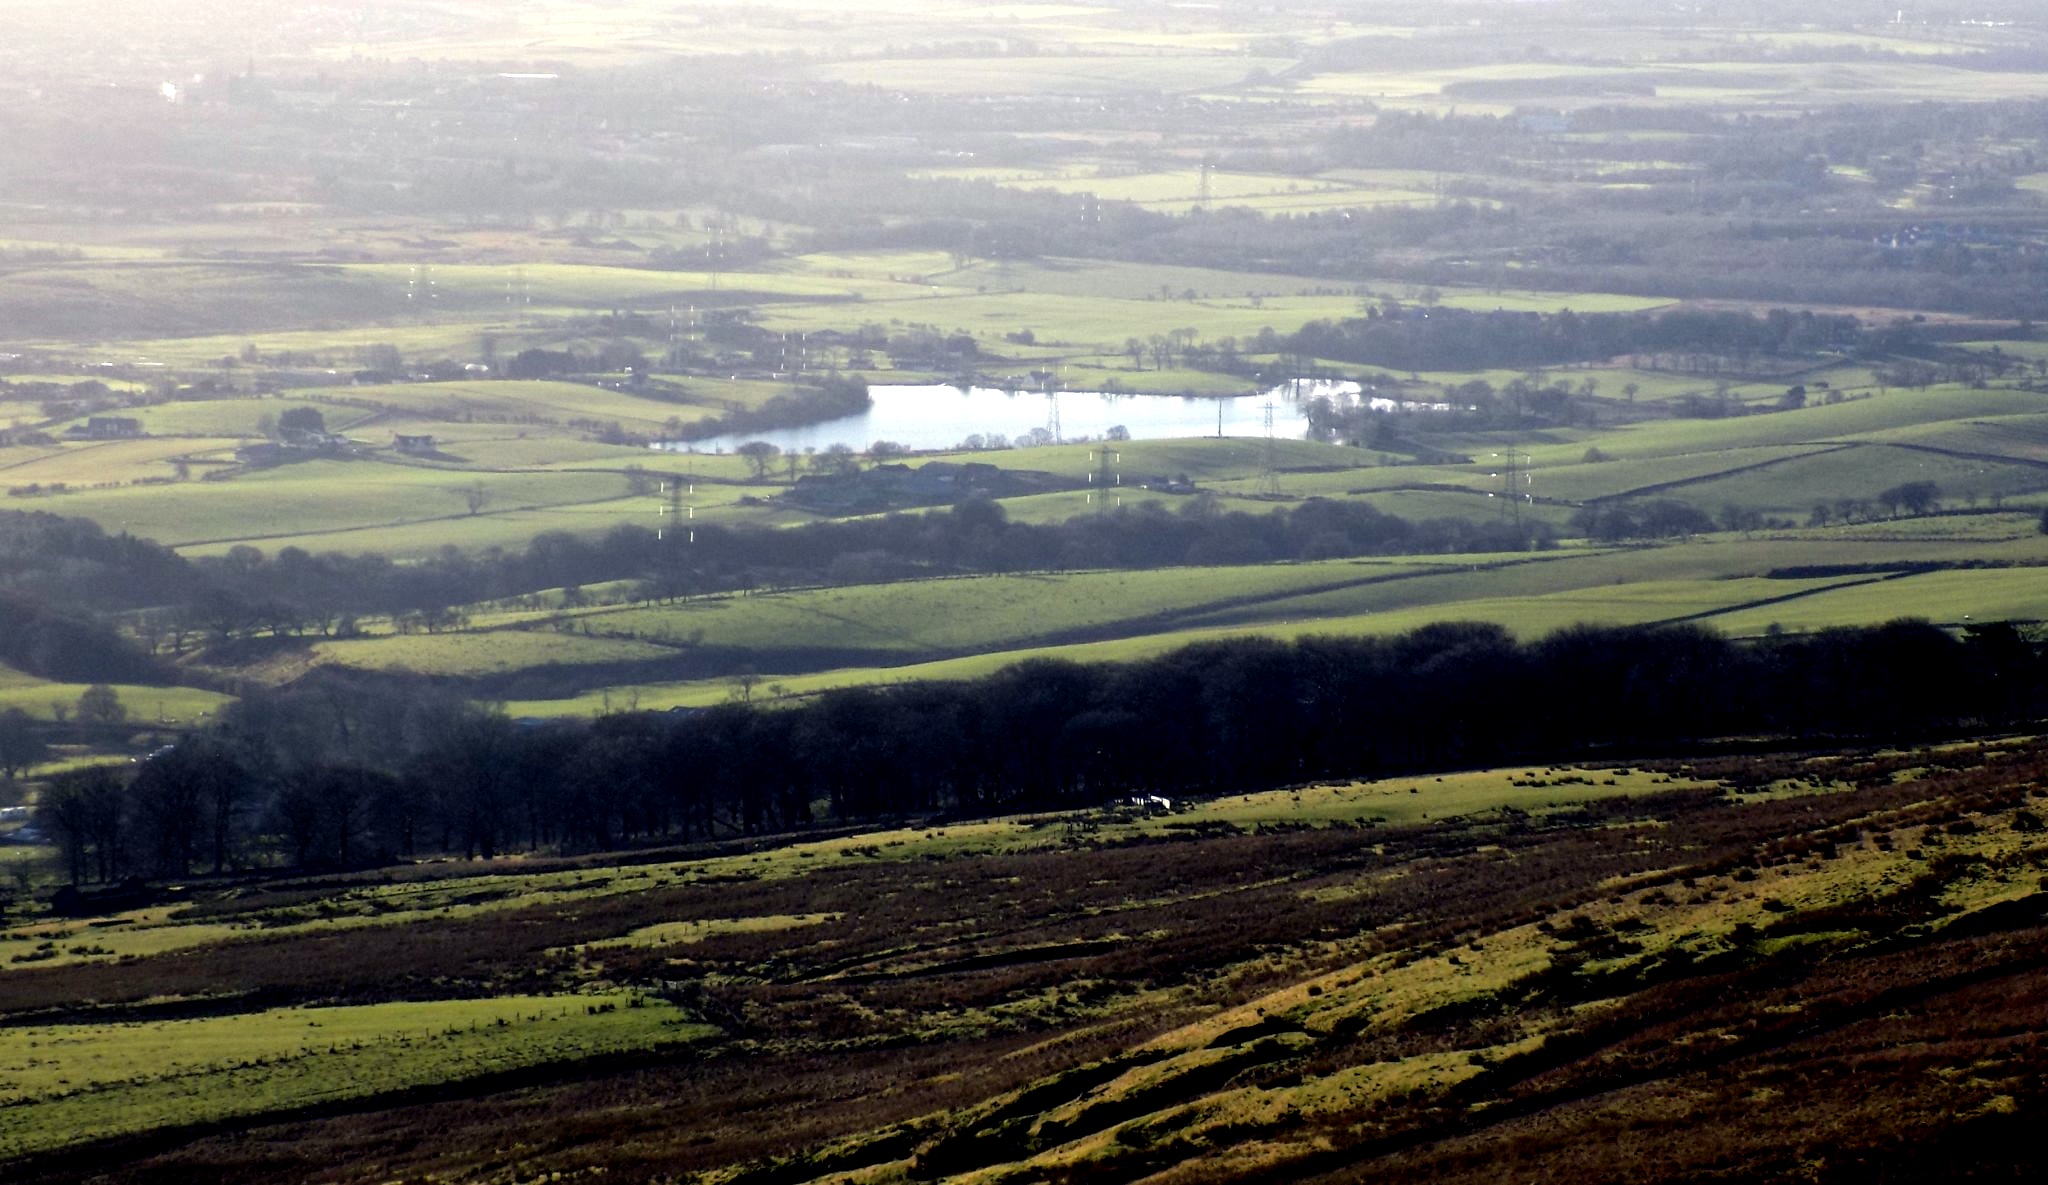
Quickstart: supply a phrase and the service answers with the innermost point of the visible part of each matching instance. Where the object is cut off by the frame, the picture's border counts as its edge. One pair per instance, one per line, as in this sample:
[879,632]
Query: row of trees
[50,561]
[339,773]
[1445,339]
[295,591]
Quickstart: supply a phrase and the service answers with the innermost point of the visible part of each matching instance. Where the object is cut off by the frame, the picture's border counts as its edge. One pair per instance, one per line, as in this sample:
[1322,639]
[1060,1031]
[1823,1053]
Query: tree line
[1437,338]
[343,771]
[171,602]
[294,591]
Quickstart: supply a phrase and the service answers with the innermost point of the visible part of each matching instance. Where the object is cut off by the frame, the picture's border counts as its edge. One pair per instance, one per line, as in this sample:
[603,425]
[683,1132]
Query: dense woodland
[337,773]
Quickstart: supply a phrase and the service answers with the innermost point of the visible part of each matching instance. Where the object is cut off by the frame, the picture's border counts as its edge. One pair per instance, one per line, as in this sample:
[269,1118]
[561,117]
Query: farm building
[112,428]
[416,445]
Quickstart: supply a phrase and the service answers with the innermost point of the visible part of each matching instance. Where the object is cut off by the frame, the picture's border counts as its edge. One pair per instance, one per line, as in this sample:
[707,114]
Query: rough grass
[471,655]
[1419,979]
[69,1084]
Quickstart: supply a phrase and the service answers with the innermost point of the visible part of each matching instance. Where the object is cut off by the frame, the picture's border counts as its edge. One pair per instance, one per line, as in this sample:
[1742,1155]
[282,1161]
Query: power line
[675,514]
[1515,483]
[1269,462]
[1106,479]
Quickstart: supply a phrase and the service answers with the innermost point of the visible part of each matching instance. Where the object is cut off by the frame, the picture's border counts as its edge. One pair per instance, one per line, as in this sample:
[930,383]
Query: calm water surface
[936,416]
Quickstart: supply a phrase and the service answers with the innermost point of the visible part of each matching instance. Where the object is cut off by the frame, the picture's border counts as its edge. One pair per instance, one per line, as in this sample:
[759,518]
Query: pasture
[294,500]
[147,707]
[969,627]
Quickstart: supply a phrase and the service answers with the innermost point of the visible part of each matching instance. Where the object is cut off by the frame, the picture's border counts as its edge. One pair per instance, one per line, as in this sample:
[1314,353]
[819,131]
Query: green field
[1717,581]
[538,403]
[469,655]
[147,706]
[67,1084]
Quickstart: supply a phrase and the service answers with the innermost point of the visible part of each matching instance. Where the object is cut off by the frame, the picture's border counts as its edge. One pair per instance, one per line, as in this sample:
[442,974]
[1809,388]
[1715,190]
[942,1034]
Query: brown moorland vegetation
[1788,967]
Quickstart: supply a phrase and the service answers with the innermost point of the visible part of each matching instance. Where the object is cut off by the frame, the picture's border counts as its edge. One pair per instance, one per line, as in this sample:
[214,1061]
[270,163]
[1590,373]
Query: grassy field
[1793,487]
[540,403]
[1115,617]
[147,706]
[1951,598]
[1896,410]
[70,1084]
[948,615]
[469,655]
[322,496]
[85,466]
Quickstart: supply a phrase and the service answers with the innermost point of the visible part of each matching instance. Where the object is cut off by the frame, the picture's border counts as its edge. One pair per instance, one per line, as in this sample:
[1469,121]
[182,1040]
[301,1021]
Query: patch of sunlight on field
[1618,475]
[1863,473]
[316,496]
[1062,276]
[132,935]
[666,934]
[497,528]
[1528,617]
[163,929]
[1485,300]
[2004,528]
[1896,409]
[513,401]
[1950,598]
[343,349]
[480,655]
[67,1084]
[1400,801]
[918,267]
[968,612]
[1181,189]
[146,705]
[1100,322]
[1203,458]
[108,462]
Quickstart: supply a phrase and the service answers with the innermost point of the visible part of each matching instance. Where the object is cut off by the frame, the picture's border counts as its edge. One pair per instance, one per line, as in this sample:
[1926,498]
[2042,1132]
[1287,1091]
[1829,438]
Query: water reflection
[937,416]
